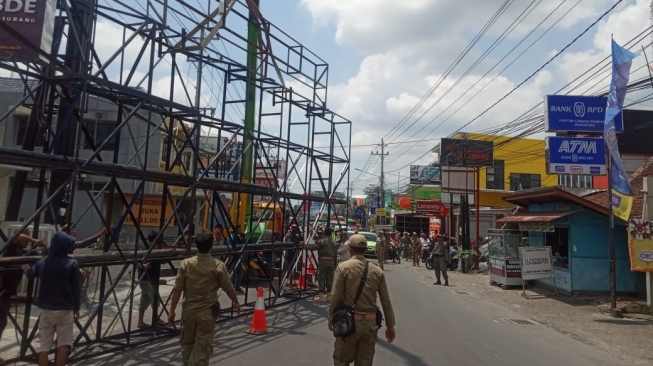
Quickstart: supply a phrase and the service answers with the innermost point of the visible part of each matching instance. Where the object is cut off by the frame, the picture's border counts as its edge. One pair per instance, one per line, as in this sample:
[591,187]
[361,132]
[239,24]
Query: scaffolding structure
[175,77]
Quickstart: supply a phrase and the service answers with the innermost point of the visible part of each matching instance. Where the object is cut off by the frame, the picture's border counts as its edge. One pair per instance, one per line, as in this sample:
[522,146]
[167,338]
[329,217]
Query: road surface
[435,326]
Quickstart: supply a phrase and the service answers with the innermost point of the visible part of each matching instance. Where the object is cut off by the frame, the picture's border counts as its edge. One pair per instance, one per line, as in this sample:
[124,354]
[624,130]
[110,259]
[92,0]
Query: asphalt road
[435,326]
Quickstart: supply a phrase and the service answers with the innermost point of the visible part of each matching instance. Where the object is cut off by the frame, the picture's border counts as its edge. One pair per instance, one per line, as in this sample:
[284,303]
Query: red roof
[637,183]
[551,195]
[535,217]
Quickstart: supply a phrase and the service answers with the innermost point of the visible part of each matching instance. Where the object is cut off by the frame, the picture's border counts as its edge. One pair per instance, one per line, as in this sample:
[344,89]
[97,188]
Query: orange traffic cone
[302,277]
[259,322]
[311,267]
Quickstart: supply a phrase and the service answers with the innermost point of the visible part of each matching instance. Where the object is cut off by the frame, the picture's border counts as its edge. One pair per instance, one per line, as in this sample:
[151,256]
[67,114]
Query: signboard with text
[577,113]
[33,20]
[575,155]
[536,263]
[431,206]
[420,174]
[150,214]
[460,152]
[505,267]
[380,212]
[427,193]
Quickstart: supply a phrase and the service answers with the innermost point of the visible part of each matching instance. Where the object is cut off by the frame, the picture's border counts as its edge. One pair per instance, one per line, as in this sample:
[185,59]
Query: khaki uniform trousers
[380,255]
[325,273]
[416,253]
[440,265]
[359,347]
[197,337]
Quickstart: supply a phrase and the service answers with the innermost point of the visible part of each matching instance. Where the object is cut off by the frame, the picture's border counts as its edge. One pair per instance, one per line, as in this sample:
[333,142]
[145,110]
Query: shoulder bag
[343,318]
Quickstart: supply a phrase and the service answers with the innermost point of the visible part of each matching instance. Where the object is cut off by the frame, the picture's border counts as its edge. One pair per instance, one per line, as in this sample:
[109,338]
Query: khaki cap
[358,241]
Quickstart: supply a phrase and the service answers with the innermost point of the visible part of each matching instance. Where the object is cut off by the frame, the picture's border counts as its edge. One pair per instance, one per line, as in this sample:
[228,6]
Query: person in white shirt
[343,247]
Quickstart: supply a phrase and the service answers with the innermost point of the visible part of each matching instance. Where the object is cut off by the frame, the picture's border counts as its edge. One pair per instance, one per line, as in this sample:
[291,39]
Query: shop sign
[34,20]
[536,263]
[575,155]
[505,267]
[427,193]
[431,206]
[421,174]
[150,211]
[459,152]
[640,244]
[380,212]
[577,114]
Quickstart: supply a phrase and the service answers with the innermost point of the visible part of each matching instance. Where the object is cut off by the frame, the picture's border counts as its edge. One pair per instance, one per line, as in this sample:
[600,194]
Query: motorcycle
[426,253]
[393,254]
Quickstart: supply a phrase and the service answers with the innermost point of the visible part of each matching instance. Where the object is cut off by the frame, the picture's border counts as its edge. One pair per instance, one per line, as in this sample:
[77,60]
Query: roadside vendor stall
[503,252]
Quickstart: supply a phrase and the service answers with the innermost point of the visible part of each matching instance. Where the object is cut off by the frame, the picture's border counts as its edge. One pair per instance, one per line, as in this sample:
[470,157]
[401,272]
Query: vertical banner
[32,19]
[622,192]
[640,245]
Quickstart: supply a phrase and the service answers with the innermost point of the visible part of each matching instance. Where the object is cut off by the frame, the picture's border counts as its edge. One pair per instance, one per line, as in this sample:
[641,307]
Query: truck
[412,223]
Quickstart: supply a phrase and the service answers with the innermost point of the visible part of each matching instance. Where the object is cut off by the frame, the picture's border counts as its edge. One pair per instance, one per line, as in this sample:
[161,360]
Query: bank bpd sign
[573,113]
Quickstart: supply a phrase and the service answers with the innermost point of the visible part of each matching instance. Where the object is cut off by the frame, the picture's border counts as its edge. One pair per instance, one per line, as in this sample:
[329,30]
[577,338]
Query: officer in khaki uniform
[440,258]
[360,347]
[327,252]
[382,247]
[416,247]
[199,279]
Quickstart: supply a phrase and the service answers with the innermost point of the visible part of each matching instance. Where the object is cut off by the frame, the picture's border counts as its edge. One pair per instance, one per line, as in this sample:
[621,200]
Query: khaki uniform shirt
[347,279]
[382,242]
[440,248]
[200,277]
[325,248]
[416,243]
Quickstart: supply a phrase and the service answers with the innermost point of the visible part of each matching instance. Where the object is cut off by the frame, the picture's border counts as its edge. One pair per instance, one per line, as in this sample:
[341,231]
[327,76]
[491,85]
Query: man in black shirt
[148,281]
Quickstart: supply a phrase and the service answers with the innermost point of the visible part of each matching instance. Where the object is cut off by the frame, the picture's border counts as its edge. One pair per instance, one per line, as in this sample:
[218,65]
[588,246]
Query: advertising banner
[150,212]
[420,174]
[505,267]
[380,212]
[477,152]
[577,113]
[427,193]
[640,244]
[536,263]
[621,195]
[34,20]
[575,155]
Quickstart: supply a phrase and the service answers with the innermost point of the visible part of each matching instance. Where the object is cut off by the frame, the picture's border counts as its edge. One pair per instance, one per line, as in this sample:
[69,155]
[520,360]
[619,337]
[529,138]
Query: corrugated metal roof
[535,217]
[14,85]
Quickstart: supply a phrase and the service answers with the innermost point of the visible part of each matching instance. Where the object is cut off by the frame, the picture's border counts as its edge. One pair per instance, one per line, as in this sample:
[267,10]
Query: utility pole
[382,154]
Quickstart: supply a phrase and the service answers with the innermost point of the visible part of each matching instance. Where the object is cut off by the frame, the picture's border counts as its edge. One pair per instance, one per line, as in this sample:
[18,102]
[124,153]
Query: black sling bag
[343,318]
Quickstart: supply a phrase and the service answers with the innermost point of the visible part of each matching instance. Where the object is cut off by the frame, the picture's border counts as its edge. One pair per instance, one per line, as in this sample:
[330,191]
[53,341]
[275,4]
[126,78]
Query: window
[520,182]
[99,131]
[575,181]
[495,175]
[21,127]
[559,243]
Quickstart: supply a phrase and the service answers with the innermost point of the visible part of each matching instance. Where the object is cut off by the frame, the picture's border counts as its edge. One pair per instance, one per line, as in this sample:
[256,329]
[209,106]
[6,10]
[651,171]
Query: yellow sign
[150,212]
[380,212]
[640,245]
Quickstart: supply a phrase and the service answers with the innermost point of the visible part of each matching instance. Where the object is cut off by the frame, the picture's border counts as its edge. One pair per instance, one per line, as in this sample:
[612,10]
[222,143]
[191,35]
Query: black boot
[446,282]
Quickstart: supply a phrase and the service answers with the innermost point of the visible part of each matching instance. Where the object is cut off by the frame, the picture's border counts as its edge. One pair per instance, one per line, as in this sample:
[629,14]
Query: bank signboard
[32,19]
[575,113]
[575,155]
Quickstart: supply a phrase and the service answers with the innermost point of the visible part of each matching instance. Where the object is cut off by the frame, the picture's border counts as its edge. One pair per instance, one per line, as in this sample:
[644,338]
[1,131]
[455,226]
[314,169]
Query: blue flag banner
[622,192]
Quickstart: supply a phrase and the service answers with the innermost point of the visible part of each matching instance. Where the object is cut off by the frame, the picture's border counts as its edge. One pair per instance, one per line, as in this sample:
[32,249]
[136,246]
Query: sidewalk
[581,318]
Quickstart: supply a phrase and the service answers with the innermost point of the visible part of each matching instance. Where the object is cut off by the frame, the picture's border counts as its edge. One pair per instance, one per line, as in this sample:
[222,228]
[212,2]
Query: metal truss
[154,146]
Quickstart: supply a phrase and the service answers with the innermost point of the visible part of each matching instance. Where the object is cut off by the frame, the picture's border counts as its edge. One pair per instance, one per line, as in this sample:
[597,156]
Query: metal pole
[613,252]
[477,202]
[250,115]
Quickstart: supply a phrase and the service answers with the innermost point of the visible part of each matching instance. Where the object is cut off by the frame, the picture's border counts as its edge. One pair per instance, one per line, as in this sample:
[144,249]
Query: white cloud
[407,46]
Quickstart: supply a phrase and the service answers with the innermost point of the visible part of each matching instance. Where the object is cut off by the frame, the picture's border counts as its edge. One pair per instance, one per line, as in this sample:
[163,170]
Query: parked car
[371,242]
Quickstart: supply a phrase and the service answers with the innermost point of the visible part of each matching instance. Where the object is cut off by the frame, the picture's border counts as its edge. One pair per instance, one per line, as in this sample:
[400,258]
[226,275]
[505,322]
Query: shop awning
[535,217]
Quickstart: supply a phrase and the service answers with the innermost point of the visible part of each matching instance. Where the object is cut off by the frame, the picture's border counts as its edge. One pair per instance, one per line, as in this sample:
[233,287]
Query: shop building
[577,229]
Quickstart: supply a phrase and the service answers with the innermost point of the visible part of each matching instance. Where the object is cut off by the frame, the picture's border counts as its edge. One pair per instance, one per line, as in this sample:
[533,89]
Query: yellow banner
[625,204]
[150,212]
[640,245]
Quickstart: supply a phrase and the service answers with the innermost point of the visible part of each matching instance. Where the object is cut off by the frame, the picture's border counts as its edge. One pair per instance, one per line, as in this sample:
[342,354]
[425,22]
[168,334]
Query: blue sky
[384,55]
